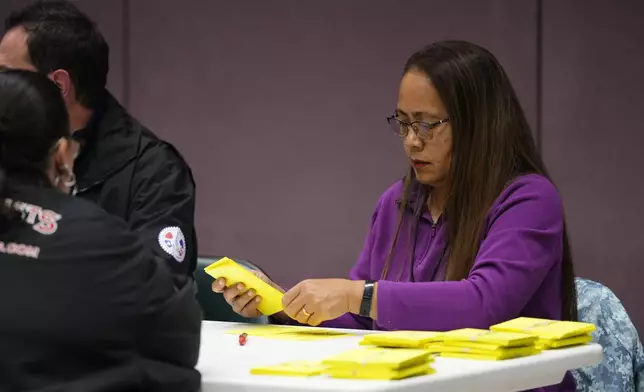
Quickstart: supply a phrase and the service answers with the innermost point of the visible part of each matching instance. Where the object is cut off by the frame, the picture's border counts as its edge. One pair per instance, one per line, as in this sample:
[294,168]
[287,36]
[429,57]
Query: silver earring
[71,185]
[71,180]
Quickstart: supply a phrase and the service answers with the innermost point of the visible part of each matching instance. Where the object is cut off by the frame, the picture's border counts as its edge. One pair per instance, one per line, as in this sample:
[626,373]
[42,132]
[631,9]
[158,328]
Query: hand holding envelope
[249,293]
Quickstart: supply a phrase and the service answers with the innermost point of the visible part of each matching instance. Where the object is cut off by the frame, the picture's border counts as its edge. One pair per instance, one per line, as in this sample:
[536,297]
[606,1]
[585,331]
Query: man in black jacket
[122,166]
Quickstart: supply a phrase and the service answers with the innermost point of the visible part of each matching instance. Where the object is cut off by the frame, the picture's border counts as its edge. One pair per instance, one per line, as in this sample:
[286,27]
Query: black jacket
[132,174]
[85,307]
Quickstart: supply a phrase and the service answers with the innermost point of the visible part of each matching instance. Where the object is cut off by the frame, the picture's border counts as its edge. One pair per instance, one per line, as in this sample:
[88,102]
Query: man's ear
[63,81]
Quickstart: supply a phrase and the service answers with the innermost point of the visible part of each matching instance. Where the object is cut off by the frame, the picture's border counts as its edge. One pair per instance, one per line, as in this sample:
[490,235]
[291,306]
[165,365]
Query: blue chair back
[622,368]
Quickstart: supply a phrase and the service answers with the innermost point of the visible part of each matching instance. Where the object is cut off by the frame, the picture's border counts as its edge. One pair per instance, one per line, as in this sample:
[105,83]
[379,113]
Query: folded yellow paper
[545,329]
[479,345]
[486,357]
[502,339]
[368,373]
[234,273]
[562,343]
[258,330]
[314,331]
[289,332]
[303,336]
[401,339]
[493,352]
[379,358]
[295,368]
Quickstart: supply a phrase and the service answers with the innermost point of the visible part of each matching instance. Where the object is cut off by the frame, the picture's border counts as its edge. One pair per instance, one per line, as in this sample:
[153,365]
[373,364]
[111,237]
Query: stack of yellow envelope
[294,368]
[551,333]
[469,343]
[377,363]
[401,339]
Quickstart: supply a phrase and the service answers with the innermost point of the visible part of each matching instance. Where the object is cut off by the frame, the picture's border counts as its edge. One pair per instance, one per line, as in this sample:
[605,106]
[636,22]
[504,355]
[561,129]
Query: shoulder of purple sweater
[533,189]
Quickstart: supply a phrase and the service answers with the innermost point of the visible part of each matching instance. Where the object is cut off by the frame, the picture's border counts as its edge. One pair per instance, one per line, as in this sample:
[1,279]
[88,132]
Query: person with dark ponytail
[473,235]
[84,305]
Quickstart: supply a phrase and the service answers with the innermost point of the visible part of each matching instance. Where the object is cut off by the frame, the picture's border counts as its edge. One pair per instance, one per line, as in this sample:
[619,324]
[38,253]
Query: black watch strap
[367,296]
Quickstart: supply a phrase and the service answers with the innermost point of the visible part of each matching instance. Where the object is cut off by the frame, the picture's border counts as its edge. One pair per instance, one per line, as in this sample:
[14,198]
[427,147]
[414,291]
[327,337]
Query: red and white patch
[172,241]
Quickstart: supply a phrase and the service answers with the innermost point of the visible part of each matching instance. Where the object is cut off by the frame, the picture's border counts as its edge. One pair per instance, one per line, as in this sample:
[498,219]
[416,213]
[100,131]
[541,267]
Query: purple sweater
[517,271]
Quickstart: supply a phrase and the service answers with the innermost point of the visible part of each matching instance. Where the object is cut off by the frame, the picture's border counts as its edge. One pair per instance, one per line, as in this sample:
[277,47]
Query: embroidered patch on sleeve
[172,241]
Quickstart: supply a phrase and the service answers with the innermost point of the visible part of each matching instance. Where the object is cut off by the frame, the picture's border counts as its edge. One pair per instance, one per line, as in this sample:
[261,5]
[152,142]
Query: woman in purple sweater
[474,234]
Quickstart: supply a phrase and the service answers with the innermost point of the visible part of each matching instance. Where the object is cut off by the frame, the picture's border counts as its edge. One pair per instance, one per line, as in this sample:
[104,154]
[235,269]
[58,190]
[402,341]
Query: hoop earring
[70,182]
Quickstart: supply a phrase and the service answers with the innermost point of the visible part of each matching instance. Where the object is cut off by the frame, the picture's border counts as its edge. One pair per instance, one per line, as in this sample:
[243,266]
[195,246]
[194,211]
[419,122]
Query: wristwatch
[367,296]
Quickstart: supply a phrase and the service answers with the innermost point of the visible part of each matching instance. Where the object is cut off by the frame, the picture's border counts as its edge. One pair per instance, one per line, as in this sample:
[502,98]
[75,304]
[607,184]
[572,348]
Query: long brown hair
[492,145]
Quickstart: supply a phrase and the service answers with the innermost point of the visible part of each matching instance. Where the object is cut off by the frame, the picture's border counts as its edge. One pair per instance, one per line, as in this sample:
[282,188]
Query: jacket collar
[108,143]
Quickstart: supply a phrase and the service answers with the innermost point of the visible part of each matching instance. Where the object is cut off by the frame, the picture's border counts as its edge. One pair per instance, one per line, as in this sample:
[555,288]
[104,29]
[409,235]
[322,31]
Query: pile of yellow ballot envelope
[551,334]
[516,338]
[462,343]
[402,354]
[470,343]
[369,363]
[402,339]
[377,363]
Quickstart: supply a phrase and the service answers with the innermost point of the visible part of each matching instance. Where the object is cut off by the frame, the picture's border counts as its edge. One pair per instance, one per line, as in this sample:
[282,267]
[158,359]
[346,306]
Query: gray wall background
[279,107]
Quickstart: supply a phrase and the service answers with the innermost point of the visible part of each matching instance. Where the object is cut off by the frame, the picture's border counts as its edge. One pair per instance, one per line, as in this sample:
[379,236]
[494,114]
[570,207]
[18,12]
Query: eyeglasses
[422,129]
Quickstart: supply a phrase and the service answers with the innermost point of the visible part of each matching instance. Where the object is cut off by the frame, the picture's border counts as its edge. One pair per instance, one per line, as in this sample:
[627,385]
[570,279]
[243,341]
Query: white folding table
[225,366]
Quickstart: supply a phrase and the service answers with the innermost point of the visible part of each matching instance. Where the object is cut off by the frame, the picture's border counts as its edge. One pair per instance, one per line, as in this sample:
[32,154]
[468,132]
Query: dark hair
[492,145]
[60,36]
[33,118]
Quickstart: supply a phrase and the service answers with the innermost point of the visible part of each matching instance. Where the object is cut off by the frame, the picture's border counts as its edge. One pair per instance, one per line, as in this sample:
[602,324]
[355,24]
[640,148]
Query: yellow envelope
[502,339]
[402,339]
[489,357]
[478,345]
[307,336]
[234,273]
[545,329]
[288,332]
[434,347]
[314,331]
[295,368]
[562,343]
[367,373]
[379,358]
[485,353]
[259,330]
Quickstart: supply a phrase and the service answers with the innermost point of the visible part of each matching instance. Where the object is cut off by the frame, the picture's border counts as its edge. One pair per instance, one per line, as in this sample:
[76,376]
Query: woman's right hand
[243,303]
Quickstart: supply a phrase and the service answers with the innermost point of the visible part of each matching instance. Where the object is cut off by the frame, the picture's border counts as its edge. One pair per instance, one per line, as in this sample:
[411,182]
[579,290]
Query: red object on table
[242,339]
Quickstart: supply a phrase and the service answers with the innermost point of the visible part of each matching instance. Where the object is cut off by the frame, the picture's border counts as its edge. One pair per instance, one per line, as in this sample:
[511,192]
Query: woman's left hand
[316,300]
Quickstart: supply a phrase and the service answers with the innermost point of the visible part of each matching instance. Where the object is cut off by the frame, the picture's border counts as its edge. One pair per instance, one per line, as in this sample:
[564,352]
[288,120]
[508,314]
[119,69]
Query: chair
[214,306]
[622,368]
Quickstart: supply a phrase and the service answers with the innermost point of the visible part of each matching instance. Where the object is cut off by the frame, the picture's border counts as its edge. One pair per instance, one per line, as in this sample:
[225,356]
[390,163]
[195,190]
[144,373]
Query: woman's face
[430,154]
